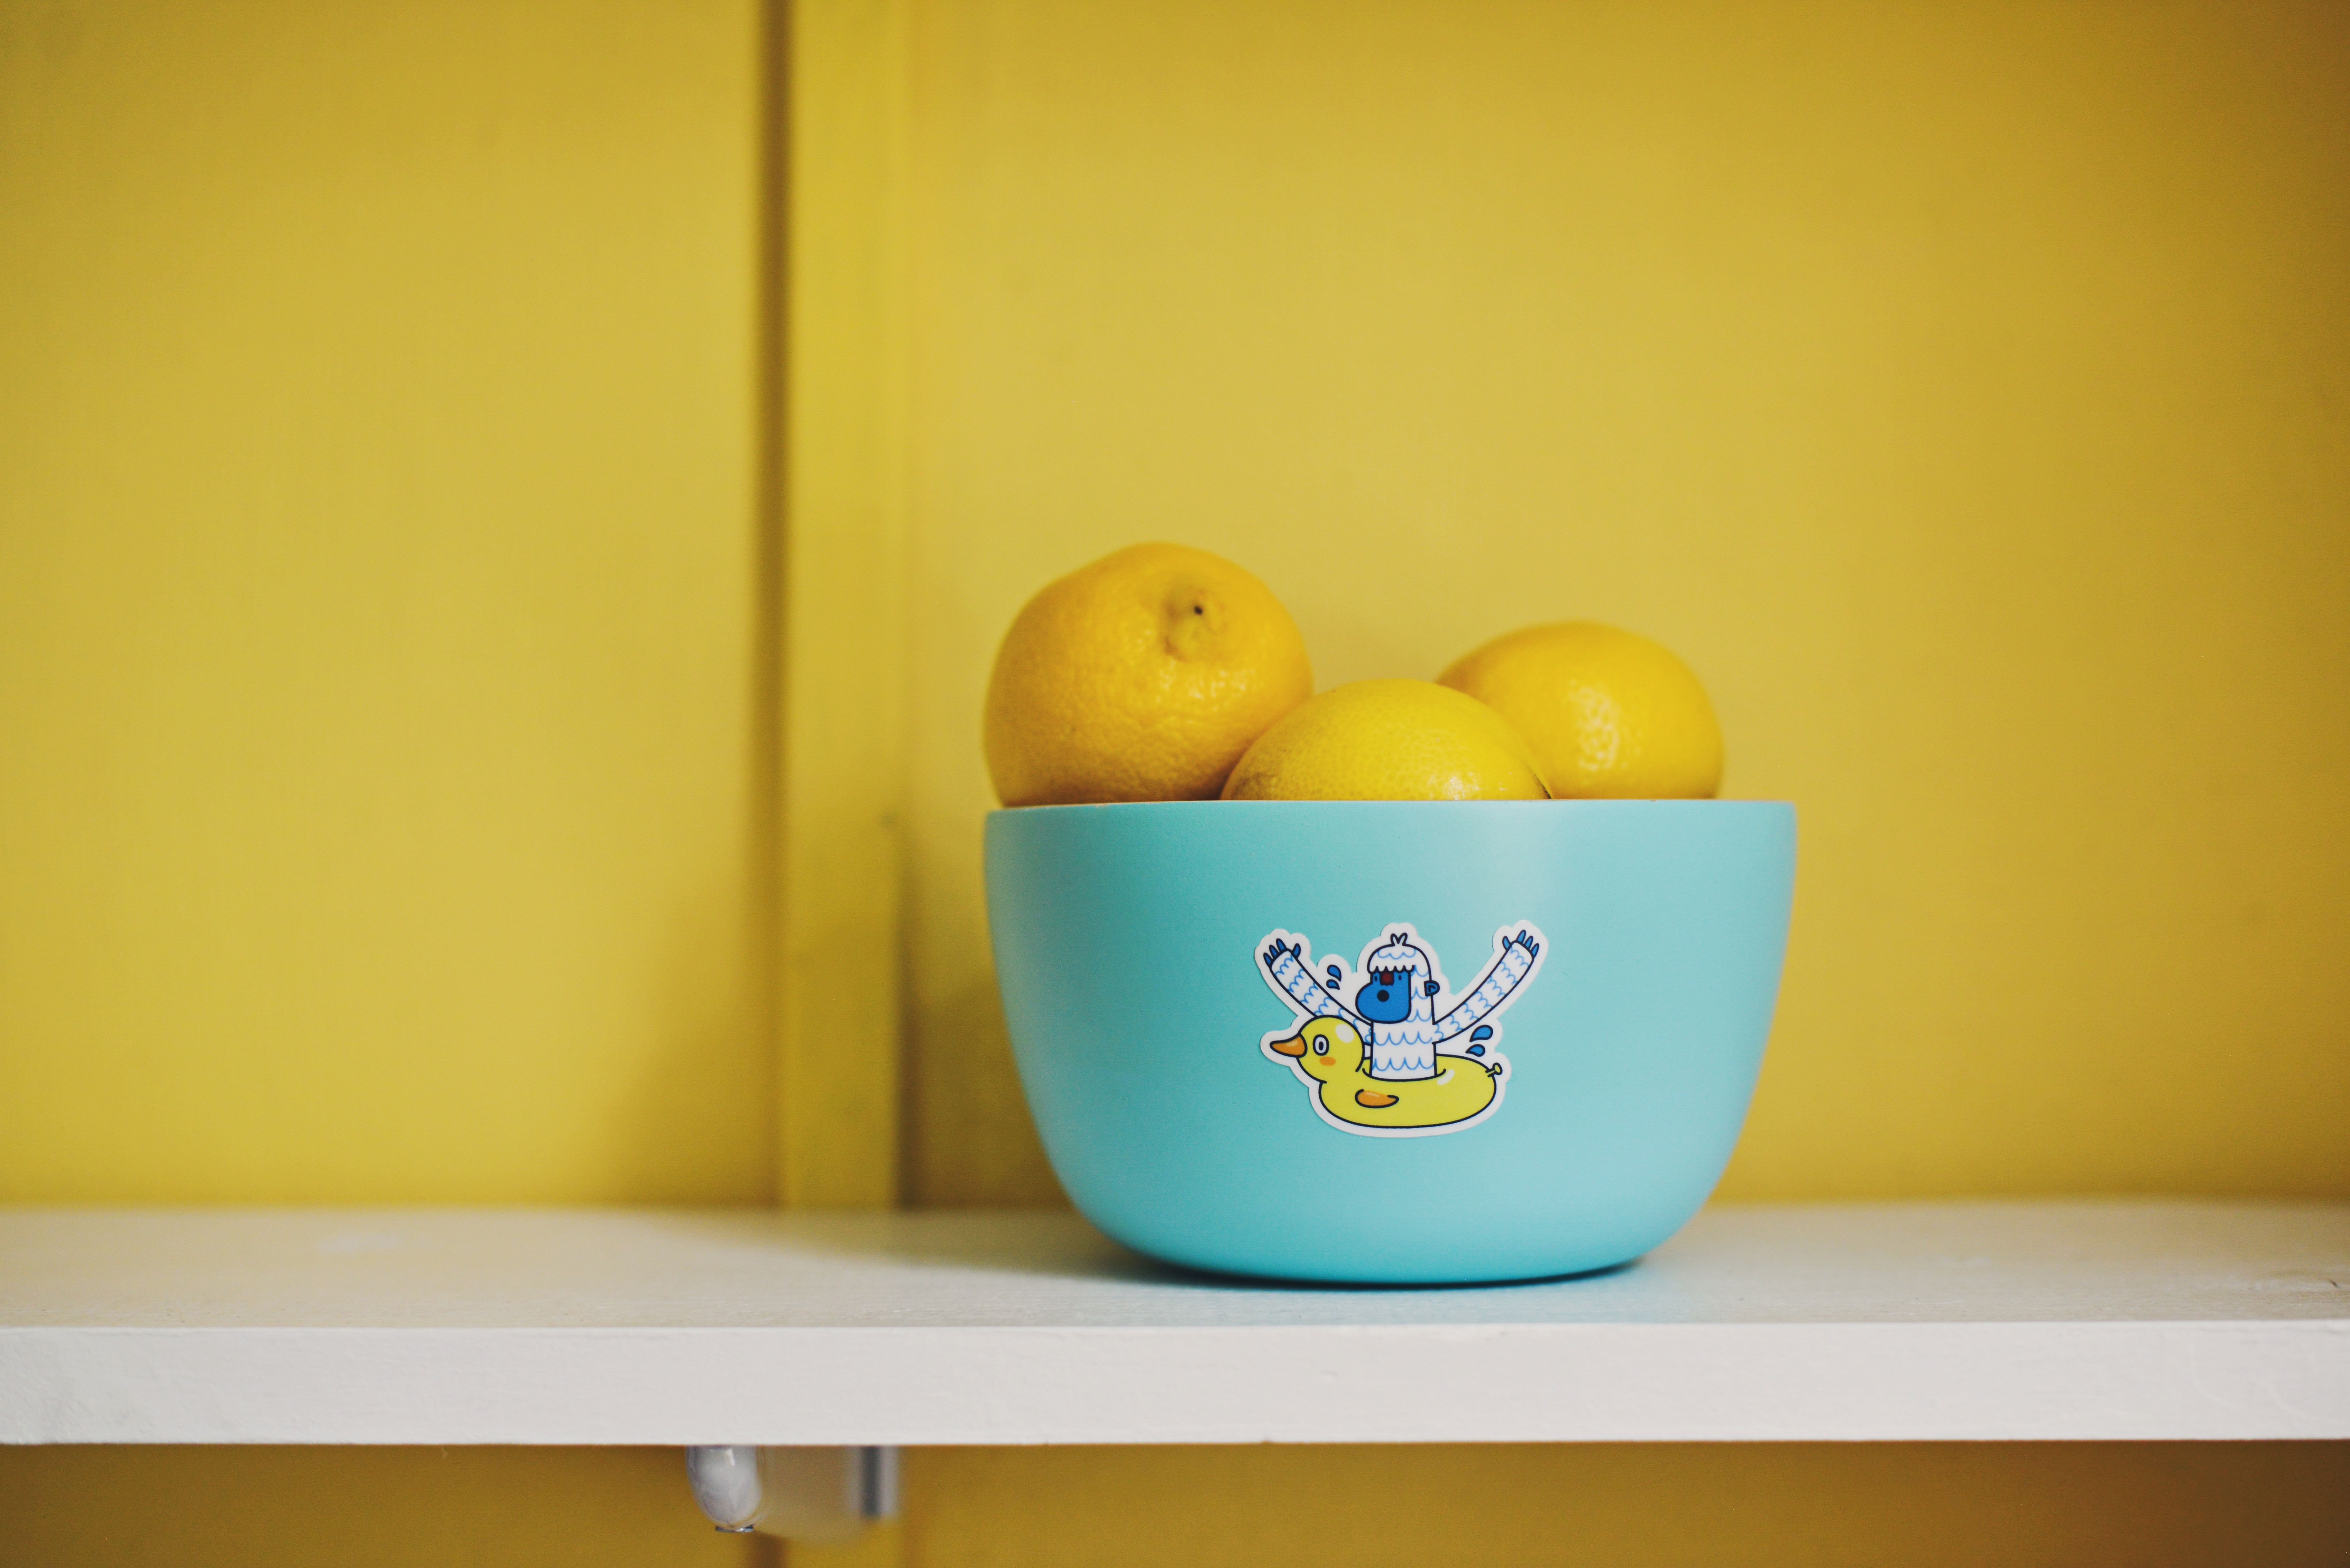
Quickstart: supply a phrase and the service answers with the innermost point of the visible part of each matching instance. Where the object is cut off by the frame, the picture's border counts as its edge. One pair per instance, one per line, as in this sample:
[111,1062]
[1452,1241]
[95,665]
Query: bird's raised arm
[1503,975]
[1283,964]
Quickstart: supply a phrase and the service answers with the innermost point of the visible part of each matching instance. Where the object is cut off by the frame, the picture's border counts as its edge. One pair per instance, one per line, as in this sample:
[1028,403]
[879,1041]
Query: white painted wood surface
[2135,1320]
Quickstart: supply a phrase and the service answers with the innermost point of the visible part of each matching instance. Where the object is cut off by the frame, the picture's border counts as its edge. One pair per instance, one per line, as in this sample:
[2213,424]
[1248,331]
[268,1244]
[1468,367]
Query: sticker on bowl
[1385,1049]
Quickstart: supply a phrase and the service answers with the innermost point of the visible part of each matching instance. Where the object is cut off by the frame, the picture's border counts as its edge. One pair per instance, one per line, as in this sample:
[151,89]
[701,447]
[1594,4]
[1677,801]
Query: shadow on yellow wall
[359,1508]
[1650,1505]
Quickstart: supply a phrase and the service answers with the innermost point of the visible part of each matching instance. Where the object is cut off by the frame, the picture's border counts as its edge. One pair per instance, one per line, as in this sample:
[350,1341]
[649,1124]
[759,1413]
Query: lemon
[1389,740]
[1610,715]
[1143,676]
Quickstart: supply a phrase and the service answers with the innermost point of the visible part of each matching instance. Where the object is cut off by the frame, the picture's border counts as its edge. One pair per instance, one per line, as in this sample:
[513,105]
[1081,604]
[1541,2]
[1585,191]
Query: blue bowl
[1391,1041]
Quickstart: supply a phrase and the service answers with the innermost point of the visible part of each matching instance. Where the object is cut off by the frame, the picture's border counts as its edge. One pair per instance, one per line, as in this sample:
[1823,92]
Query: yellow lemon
[1610,715]
[1142,677]
[1389,740]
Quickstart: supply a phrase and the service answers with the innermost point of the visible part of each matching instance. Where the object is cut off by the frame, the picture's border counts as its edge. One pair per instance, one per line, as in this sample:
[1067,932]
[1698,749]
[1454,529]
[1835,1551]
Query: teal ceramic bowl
[1391,1041]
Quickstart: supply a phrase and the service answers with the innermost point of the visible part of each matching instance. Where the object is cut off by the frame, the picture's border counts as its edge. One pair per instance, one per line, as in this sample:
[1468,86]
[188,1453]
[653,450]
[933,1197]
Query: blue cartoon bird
[1397,998]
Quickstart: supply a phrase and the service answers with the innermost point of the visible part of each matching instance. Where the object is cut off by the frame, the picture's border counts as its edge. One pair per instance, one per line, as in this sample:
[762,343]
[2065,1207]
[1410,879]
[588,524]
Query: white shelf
[1878,1321]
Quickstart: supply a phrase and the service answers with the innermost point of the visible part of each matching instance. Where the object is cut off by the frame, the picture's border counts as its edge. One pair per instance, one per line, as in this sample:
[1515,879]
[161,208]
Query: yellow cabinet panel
[380,786]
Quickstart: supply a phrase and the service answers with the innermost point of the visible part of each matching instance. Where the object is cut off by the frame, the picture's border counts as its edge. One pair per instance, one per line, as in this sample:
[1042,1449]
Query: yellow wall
[357,1507]
[1960,388]
[380,760]
[387,750]
[1880,1505]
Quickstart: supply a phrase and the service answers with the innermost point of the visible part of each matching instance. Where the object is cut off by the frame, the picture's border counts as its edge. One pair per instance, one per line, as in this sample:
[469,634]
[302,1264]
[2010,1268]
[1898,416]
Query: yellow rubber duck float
[1331,1051]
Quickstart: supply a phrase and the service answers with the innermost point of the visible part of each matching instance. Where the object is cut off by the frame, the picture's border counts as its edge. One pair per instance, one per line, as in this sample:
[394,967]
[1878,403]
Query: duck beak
[1293,1046]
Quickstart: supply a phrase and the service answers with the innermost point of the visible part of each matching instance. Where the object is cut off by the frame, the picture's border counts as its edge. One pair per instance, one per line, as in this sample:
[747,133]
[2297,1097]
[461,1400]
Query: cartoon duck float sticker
[1370,1043]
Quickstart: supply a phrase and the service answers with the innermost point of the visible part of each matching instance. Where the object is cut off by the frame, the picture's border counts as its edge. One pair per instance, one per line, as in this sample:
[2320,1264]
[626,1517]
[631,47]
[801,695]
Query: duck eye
[1321,1045]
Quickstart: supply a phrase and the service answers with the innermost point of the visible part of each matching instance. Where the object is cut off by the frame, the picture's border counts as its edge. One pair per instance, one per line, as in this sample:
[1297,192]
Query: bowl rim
[1137,807]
